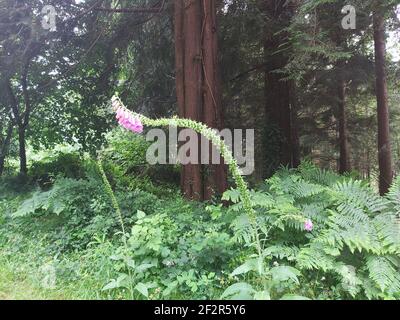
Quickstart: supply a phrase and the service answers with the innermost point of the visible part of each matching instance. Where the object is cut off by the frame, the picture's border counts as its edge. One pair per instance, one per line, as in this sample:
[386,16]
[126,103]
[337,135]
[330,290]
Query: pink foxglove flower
[308,225]
[126,119]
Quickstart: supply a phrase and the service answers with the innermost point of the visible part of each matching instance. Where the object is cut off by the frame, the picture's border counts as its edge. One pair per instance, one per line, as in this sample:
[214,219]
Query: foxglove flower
[125,118]
[308,225]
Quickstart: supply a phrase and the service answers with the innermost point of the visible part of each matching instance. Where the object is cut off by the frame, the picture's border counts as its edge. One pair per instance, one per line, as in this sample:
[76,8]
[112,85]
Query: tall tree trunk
[277,88]
[4,147]
[188,81]
[197,86]
[384,147]
[278,104]
[344,160]
[216,177]
[295,139]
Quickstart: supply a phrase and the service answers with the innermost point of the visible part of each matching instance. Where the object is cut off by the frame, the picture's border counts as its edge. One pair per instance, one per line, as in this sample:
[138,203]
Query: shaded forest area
[318,81]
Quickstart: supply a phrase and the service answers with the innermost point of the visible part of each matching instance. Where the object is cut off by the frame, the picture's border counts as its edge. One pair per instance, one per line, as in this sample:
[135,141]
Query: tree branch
[13,102]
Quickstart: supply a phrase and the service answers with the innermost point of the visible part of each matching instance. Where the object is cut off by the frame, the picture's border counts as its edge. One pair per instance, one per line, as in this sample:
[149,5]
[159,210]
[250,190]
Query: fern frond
[313,257]
[384,274]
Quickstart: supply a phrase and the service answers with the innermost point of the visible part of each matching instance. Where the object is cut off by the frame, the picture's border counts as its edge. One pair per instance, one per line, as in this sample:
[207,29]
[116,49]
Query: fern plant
[354,245]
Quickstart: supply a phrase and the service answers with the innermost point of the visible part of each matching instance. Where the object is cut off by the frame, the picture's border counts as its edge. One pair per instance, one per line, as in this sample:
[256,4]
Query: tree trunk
[23,169]
[197,86]
[216,177]
[344,160]
[4,147]
[384,147]
[295,139]
[188,81]
[278,105]
[277,88]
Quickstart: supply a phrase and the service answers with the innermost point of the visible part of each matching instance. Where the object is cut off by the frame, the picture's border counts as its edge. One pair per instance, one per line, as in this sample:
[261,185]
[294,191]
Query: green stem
[114,201]
[219,143]
[117,209]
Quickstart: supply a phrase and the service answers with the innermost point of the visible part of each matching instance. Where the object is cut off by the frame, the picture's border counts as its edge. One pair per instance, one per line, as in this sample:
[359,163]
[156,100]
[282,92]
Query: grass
[19,285]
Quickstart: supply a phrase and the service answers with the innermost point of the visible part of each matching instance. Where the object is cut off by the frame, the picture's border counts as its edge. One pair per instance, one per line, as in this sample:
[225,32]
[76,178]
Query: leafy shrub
[70,213]
[170,259]
[127,168]
[63,161]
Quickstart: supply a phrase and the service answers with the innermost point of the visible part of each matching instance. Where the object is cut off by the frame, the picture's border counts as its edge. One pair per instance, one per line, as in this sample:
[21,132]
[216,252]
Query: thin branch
[129,10]
[242,74]
[124,10]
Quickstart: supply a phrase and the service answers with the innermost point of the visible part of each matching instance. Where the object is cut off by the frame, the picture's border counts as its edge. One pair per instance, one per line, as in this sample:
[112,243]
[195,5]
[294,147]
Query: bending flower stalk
[134,122]
[125,117]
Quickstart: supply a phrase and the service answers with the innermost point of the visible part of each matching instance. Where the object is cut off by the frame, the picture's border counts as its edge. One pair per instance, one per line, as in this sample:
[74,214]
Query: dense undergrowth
[61,238]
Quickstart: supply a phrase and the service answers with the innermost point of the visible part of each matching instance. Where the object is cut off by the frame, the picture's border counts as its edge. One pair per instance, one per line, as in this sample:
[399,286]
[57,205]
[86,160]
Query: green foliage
[172,259]
[354,245]
[178,250]
[124,159]
[66,162]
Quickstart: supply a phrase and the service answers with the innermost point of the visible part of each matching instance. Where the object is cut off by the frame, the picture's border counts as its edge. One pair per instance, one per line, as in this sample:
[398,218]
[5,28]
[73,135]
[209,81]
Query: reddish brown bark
[198,87]
[344,159]
[384,147]
[216,177]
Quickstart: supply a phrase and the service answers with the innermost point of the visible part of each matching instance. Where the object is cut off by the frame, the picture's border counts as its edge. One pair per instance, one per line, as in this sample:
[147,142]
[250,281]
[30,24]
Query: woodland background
[320,97]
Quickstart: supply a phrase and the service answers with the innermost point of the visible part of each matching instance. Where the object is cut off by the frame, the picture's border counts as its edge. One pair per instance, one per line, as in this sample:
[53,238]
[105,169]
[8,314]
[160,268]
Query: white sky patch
[393,46]
[393,41]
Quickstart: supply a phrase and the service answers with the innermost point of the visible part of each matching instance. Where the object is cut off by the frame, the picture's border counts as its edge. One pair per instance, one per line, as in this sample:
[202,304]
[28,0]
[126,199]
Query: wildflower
[126,119]
[308,225]
[116,104]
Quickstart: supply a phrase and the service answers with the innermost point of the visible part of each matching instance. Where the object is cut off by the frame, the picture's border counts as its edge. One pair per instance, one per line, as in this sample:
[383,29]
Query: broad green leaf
[143,289]
[240,290]
[249,265]
[111,285]
[143,267]
[285,273]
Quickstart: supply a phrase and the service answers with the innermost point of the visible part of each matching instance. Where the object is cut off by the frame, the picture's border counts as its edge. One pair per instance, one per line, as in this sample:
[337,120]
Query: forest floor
[18,284]
[18,287]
